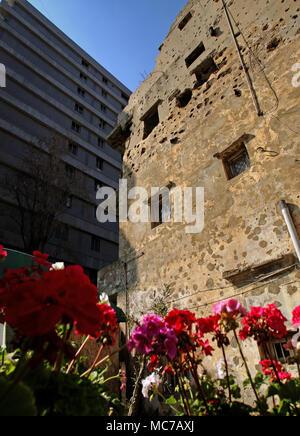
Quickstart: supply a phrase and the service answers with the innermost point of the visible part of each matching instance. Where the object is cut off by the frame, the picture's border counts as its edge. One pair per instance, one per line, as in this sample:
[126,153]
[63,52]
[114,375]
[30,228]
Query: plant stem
[94,363]
[246,366]
[60,356]
[78,353]
[185,400]
[227,373]
[272,362]
[196,379]
[137,388]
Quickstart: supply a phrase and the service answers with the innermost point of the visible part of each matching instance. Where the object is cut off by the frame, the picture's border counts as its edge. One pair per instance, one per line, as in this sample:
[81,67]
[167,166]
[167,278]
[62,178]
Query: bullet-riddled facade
[221,110]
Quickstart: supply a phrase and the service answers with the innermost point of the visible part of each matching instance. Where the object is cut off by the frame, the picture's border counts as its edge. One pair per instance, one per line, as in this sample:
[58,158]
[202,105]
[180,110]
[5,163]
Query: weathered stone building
[210,117]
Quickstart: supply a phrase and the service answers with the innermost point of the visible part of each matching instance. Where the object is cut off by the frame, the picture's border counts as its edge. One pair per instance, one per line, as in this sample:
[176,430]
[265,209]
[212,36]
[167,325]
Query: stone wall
[204,108]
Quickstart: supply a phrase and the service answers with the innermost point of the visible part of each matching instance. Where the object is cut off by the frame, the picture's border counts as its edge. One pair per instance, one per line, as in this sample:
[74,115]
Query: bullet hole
[273,44]
[238,92]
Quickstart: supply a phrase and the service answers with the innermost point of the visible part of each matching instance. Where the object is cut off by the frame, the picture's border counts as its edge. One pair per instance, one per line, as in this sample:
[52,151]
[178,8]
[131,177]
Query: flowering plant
[46,305]
[177,344]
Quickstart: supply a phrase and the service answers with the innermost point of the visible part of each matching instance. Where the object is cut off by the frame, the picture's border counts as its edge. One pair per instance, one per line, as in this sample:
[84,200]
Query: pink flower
[3,253]
[231,306]
[296,317]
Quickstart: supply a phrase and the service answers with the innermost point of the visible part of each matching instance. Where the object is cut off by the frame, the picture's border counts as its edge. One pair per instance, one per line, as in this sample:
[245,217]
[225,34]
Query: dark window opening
[98,185]
[236,161]
[81,92]
[276,349]
[95,244]
[73,148]
[184,22]
[85,64]
[100,143]
[78,108]
[104,80]
[83,77]
[99,163]
[103,108]
[125,97]
[194,55]
[76,127]
[70,171]
[205,70]
[104,93]
[151,120]
[184,98]
[62,232]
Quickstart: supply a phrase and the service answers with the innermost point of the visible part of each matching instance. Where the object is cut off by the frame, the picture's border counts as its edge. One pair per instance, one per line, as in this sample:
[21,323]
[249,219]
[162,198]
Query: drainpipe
[291,226]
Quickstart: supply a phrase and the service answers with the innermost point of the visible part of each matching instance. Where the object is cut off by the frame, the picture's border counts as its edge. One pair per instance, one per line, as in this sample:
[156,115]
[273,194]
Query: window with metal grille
[277,351]
[235,159]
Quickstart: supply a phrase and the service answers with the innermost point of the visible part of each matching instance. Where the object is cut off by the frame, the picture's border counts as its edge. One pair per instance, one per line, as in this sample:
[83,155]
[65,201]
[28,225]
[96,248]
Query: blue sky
[122,35]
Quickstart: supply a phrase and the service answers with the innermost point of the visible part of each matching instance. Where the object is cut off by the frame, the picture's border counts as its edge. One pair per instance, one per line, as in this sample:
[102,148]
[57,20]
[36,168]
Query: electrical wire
[239,294]
[225,287]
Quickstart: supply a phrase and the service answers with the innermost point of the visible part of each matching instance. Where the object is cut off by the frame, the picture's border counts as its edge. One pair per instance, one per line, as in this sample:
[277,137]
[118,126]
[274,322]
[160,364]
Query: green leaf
[19,402]
[171,401]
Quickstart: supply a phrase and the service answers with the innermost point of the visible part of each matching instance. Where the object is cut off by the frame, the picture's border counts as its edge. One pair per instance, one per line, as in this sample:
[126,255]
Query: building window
[104,80]
[80,92]
[98,185]
[73,148]
[184,22]
[99,163]
[124,97]
[235,159]
[277,351]
[100,143]
[205,70]
[83,78]
[160,208]
[85,64]
[76,127]
[78,108]
[62,232]
[70,171]
[151,120]
[95,243]
[102,125]
[104,93]
[103,108]
[195,54]
[236,162]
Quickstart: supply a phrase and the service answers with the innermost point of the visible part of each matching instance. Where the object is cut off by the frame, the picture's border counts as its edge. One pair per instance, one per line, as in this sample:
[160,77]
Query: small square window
[104,80]
[205,70]
[100,143]
[236,160]
[103,108]
[104,93]
[102,125]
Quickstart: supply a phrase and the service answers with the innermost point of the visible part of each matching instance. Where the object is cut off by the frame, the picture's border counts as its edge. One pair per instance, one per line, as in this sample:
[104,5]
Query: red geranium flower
[268,369]
[180,320]
[263,324]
